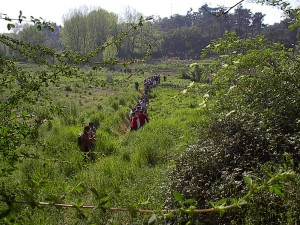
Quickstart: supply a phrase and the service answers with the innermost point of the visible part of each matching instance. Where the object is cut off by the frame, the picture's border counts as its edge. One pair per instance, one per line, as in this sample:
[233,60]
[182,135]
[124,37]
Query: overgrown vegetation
[254,133]
[226,141]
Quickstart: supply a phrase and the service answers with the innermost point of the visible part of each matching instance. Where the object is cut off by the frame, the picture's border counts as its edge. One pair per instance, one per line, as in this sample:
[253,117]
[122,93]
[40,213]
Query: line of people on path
[138,118]
[138,114]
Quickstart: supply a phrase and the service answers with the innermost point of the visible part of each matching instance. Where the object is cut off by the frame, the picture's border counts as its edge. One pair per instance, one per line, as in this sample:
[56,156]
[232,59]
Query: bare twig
[147,211]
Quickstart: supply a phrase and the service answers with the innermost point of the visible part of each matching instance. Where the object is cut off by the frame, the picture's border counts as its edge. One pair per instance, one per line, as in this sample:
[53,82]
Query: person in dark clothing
[93,129]
[136,86]
[86,140]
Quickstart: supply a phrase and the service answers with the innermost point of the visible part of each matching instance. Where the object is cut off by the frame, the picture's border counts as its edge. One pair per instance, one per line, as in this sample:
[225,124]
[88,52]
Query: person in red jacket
[135,122]
[142,117]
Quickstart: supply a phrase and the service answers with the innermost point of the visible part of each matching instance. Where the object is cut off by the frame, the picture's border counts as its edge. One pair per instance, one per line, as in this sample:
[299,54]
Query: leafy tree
[101,25]
[242,18]
[185,42]
[83,31]
[75,30]
[132,43]
[47,38]
[153,36]
[257,21]
[280,33]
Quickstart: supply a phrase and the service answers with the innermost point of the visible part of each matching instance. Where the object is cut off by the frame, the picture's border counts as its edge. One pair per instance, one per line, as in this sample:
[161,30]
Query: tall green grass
[136,163]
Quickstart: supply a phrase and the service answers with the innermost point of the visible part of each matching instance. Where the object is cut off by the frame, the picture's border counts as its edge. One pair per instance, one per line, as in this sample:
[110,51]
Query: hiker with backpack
[93,129]
[85,140]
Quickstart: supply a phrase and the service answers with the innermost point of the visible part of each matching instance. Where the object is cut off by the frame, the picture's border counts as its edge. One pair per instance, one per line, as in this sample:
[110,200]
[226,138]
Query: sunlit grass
[137,163]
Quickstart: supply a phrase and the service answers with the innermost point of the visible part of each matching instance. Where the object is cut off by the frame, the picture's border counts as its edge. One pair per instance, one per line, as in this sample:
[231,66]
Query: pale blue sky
[54,10]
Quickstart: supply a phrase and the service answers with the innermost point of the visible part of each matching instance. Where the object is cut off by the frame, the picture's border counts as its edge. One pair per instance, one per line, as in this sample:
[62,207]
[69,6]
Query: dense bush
[255,122]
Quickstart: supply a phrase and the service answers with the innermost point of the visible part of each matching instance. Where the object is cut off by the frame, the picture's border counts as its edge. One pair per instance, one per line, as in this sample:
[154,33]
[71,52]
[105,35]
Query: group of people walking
[138,114]
[138,117]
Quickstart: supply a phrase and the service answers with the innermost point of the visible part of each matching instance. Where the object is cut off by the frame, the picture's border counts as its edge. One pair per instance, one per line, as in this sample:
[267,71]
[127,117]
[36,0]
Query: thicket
[254,132]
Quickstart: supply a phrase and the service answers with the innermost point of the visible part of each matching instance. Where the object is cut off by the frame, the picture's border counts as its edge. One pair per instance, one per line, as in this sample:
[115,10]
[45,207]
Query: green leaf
[247,180]
[221,211]
[235,201]
[192,202]
[10,25]
[278,192]
[212,204]
[178,196]
[221,202]
[169,215]
[79,189]
[152,219]
[188,210]
[105,199]
[95,192]
[79,203]
[276,189]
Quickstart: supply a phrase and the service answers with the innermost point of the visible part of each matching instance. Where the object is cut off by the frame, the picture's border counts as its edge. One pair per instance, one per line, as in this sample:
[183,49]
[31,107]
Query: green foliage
[246,125]
[39,127]
[196,72]
[255,122]
[181,36]
[81,29]
[111,52]
[105,145]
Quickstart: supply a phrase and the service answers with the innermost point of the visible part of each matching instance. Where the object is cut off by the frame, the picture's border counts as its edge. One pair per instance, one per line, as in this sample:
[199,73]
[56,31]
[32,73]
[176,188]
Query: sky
[53,10]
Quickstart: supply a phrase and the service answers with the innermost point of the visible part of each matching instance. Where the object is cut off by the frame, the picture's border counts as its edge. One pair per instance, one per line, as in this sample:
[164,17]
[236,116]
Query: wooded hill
[182,36]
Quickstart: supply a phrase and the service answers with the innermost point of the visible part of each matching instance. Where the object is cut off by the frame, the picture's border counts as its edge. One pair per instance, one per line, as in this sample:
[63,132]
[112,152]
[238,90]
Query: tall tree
[74,30]
[280,33]
[100,25]
[31,35]
[257,21]
[129,44]
[242,19]
[86,29]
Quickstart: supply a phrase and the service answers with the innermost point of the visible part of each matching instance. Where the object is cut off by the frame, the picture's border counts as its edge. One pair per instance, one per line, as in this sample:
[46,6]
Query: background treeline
[182,36]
